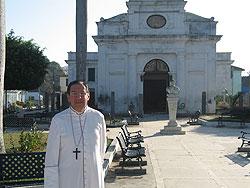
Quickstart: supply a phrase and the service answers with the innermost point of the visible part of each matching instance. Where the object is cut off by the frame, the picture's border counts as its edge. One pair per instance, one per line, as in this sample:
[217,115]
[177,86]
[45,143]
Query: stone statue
[172,128]
[131,107]
[173,89]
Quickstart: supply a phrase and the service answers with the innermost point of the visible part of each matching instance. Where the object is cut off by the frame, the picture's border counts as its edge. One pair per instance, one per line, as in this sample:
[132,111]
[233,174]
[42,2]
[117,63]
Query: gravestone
[204,103]
[241,99]
[141,105]
[65,103]
[58,101]
[53,100]
[112,103]
[46,101]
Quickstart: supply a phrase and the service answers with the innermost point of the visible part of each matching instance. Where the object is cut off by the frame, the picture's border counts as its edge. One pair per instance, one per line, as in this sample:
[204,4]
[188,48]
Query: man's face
[78,97]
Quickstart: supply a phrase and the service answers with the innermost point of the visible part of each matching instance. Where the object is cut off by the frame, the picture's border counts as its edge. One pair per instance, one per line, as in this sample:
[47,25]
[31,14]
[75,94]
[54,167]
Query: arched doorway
[155,81]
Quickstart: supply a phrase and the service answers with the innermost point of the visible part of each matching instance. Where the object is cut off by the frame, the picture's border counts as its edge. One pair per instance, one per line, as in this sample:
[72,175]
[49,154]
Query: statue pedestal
[172,128]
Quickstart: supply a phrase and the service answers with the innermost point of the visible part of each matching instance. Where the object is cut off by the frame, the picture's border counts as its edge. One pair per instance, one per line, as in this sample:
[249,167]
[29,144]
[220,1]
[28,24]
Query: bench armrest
[135,132]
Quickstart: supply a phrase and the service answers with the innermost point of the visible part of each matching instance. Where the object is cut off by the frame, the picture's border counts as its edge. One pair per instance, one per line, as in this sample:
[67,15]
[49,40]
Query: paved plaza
[203,157]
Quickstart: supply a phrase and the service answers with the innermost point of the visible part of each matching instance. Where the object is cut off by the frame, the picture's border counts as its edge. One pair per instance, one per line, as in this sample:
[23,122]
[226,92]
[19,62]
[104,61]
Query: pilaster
[181,75]
[132,78]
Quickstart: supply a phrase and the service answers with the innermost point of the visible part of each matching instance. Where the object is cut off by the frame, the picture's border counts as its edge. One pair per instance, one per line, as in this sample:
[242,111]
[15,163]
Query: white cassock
[62,169]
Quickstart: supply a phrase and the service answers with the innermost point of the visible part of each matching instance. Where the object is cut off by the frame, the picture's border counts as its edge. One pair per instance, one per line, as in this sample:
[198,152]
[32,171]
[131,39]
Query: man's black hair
[77,82]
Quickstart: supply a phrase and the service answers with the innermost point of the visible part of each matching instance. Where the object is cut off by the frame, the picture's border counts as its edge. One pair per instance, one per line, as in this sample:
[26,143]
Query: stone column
[172,98]
[81,39]
[181,75]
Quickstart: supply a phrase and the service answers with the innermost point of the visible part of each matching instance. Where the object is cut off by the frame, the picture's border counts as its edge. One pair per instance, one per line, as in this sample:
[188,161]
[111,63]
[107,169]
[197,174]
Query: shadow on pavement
[222,132]
[131,176]
[238,159]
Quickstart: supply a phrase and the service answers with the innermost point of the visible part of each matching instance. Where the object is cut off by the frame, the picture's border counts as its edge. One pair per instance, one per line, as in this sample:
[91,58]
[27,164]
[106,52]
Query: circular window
[156,21]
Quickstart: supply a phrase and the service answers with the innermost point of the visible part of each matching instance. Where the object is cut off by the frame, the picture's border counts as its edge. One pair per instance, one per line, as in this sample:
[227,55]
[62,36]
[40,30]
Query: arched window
[156,65]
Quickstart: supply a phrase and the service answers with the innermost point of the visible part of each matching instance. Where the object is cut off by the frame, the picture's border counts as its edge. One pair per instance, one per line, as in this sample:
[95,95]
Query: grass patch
[12,141]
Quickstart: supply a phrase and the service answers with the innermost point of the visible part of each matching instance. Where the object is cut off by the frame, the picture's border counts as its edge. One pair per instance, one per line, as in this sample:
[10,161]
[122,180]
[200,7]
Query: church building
[141,50]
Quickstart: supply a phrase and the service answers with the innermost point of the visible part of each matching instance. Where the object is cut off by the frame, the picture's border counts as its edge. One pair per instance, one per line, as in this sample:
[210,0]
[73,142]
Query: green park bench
[245,145]
[128,153]
[193,117]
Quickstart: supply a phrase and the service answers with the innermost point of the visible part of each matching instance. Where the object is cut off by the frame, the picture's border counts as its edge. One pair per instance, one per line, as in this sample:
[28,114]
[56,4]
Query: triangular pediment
[193,17]
[118,18]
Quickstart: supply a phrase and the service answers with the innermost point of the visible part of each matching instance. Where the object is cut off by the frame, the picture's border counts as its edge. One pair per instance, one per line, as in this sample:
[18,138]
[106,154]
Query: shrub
[31,141]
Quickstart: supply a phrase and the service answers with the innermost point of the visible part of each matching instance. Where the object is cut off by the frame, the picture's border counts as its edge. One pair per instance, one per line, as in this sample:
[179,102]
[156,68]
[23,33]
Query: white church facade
[141,50]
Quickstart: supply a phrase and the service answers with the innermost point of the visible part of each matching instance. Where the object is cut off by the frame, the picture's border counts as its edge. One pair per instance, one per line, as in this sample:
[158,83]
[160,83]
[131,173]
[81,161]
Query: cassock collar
[79,113]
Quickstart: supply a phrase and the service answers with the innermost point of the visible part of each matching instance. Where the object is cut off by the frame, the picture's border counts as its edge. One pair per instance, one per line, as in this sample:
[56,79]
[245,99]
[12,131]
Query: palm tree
[81,39]
[2,69]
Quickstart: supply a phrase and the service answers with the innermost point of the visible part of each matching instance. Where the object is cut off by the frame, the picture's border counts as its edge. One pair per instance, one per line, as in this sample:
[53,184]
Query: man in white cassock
[76,144]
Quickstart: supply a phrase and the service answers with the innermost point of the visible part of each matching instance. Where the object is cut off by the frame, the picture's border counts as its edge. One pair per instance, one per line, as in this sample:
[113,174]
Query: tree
[2,69]
[81,39]
[52,78]
[51,83]
[25,64]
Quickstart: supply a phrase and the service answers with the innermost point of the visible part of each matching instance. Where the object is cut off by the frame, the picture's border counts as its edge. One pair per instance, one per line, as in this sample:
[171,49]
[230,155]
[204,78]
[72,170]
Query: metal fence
[20,168]
[18,122]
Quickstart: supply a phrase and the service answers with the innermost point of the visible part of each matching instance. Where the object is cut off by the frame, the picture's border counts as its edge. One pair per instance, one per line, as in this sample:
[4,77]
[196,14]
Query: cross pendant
[76,152]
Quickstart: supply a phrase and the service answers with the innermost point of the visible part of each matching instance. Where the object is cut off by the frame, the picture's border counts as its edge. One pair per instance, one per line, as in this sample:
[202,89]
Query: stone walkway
[204,157]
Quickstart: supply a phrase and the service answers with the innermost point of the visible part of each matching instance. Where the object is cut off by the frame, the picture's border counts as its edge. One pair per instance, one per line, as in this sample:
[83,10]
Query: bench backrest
[245,135]
[121,143]
[125,130]
[197,114]
[124,141]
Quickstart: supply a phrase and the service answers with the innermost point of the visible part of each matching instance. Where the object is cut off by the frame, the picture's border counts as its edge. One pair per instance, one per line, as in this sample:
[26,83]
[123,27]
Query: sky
[51,23]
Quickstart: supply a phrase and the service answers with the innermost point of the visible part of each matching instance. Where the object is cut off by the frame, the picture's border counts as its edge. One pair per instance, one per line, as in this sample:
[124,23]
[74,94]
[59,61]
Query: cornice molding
[107,38]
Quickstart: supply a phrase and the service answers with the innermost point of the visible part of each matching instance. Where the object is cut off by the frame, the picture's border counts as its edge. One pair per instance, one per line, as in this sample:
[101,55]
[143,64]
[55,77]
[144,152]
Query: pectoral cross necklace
[76,151]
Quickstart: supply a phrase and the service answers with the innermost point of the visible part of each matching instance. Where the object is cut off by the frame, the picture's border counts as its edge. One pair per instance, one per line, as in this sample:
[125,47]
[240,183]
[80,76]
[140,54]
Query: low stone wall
[109,155]
[228,124]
